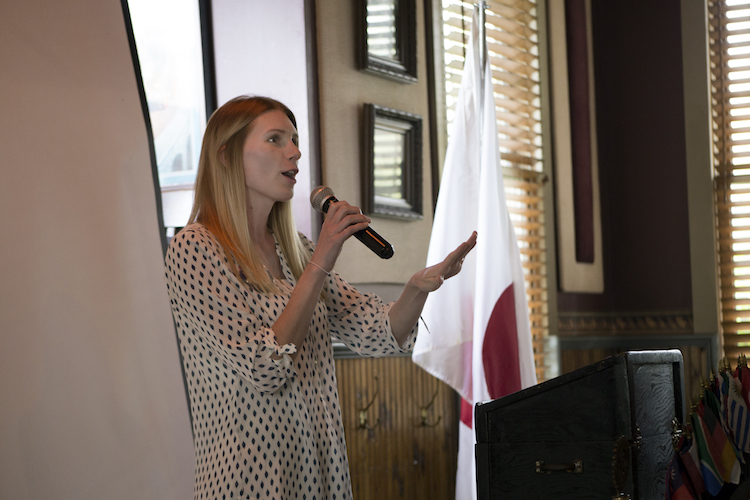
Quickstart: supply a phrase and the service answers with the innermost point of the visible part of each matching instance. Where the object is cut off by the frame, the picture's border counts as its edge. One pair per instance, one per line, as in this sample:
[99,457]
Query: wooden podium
[600,432]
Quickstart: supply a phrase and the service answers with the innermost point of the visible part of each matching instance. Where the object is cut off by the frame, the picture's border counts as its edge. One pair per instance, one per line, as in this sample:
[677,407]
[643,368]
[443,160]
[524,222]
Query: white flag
[479,339]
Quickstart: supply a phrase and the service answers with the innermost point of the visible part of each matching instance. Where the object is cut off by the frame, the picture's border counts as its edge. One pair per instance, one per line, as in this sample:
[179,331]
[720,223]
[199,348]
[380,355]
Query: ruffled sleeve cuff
[408,345]
[274,366]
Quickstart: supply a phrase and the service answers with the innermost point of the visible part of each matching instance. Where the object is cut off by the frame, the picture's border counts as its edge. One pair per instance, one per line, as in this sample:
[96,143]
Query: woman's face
[270,156]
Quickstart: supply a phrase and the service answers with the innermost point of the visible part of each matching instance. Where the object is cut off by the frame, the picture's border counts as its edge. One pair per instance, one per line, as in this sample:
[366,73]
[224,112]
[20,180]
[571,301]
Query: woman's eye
[273,138]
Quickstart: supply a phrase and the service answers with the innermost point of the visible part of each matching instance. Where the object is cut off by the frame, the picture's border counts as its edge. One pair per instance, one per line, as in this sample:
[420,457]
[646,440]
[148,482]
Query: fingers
[470,243]
[343,220]
[454,261]
[467,246]
[342,210]
[460,253]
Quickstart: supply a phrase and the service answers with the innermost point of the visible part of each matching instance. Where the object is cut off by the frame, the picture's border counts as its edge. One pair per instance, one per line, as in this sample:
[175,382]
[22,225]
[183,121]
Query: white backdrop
[92,403]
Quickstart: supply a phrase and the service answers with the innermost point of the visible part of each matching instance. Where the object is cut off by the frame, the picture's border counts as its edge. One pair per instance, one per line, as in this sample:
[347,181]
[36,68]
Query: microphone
[321,198]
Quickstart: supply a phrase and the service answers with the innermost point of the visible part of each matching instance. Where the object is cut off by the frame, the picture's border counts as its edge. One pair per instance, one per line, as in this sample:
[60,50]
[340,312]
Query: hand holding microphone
[321,199]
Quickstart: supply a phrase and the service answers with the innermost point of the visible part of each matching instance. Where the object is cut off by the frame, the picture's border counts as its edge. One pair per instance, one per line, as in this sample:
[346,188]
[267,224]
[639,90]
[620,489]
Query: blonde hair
[220,203]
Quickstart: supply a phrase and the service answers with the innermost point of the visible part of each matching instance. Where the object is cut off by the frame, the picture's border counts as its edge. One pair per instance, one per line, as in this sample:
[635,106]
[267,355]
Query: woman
[256,305]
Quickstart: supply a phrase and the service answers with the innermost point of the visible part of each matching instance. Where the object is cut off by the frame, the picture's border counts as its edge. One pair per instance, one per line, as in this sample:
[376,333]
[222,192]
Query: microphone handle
[368,236]
[375,242]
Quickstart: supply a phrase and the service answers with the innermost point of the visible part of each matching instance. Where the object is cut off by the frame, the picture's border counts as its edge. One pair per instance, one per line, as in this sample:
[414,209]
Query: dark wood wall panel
[642,160]
[694,359]
[396,456]
[573,359]
[694,364]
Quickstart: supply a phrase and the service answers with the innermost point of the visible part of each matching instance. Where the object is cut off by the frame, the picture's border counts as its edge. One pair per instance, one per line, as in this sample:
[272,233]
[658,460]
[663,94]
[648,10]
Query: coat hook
[423,412]
[363,411]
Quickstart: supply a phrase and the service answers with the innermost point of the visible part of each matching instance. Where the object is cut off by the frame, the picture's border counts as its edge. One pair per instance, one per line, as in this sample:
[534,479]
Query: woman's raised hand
[341,221]
[431,278]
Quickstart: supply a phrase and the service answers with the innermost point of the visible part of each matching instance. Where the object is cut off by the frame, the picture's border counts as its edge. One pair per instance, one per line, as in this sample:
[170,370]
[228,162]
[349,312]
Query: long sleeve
[224,319]
[361,320]
[262,427]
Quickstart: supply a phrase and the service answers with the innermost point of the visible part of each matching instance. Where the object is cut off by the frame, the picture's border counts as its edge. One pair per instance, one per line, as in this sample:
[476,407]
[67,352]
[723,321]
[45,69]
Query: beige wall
[343,91]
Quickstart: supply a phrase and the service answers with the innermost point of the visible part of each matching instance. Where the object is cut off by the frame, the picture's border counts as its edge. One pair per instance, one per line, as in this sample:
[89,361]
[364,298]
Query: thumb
[437,281]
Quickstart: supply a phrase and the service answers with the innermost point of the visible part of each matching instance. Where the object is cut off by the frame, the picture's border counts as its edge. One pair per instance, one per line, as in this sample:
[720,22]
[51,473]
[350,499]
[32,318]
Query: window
[729,52]
[511,27]
[168,40]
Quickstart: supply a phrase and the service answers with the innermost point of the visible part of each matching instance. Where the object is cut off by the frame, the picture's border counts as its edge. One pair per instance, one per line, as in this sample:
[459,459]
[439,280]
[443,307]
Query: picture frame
[386,39]
[392,163]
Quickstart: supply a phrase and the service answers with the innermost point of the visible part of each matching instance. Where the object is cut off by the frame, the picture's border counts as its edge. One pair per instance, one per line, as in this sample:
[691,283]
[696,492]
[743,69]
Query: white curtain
[92,402]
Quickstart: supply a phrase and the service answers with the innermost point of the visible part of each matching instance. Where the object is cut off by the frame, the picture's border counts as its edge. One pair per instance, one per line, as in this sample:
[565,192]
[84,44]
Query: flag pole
[480,8]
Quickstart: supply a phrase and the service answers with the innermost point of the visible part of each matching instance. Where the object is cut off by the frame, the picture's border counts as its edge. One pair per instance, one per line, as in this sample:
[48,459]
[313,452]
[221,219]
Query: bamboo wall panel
[396,456]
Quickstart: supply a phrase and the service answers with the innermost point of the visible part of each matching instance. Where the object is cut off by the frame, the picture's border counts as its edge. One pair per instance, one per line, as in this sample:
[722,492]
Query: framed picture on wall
[392,177]
[386,39]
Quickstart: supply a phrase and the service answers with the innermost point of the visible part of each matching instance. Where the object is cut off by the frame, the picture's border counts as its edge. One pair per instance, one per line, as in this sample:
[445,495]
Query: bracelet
[314,264]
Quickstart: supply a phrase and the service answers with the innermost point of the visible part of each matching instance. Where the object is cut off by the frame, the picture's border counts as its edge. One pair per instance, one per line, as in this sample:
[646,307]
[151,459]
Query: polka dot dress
[265,427]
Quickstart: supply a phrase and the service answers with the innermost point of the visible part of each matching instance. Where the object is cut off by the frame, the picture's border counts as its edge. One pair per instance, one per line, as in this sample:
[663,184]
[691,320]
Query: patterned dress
[265,427]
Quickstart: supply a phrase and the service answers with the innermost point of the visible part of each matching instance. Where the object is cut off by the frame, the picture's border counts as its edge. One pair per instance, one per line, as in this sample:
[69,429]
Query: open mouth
[290,173]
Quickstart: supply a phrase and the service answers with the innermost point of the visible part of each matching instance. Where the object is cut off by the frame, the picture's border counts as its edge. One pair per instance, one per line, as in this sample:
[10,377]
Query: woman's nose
[294,152]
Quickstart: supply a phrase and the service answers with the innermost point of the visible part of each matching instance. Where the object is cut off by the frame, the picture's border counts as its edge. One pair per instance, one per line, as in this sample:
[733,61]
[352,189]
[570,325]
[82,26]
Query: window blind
[729,53]
[511,27]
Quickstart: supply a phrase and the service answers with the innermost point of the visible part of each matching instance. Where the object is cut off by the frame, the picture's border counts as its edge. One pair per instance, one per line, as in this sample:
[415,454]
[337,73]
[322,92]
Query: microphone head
[319,196]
